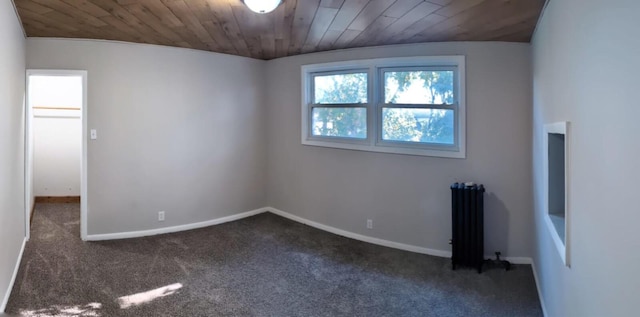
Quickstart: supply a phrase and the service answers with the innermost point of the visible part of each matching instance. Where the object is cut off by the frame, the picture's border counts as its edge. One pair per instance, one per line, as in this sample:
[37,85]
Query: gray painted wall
[408,197]
[178,130]
[586,66]
[12,213]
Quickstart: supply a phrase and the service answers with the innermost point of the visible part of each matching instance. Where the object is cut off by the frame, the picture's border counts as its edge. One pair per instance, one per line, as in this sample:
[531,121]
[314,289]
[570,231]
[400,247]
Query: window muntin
[413,105]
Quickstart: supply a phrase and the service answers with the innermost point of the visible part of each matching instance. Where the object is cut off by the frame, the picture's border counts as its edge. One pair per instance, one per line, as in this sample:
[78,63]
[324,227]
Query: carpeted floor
[264,265]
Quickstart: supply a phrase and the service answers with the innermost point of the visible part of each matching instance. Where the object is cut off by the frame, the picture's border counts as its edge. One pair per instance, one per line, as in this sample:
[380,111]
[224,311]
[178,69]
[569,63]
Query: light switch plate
[94,134]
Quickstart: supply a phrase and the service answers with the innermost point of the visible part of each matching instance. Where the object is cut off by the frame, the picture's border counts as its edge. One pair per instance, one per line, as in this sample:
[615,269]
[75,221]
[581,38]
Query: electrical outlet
[369,224]
[160,215]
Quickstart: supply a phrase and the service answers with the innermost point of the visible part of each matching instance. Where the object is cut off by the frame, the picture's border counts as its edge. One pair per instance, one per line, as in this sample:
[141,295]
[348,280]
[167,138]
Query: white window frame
[563,247]
[311,104]
[375,104]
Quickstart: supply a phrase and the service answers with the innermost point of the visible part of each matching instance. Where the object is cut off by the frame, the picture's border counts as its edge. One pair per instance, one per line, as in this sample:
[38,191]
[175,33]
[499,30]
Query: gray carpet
[264,265]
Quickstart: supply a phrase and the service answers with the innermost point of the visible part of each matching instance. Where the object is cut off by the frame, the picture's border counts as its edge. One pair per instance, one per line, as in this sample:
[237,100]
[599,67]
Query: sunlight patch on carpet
[148,296]
[89,310]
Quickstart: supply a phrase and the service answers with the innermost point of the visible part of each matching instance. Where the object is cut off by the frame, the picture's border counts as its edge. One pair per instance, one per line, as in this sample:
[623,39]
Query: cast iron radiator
[467,213]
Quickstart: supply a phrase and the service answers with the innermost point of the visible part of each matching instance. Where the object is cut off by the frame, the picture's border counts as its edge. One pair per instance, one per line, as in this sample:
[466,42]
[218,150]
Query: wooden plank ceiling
[295,27]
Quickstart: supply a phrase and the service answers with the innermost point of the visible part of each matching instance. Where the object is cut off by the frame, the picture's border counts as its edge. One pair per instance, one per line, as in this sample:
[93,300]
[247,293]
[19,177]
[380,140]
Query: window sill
[459,154]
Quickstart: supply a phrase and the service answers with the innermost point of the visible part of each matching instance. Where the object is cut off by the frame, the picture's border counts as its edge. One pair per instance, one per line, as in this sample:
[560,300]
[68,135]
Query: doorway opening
[56,146]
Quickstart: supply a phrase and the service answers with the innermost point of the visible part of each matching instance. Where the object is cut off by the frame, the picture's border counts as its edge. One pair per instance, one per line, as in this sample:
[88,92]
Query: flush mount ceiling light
[262,6]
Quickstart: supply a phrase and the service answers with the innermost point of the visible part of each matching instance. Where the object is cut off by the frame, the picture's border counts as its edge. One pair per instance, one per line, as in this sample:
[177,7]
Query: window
[402,105]
[337,109]
[556,172]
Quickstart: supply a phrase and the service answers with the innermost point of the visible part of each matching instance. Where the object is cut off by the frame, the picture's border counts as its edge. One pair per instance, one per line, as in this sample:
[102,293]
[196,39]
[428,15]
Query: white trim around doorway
[29,148]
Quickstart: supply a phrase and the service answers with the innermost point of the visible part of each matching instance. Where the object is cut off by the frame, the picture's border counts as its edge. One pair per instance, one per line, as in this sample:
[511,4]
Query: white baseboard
[514,259]
[535,277]
[152,232]
[344,233]
[5,300]
[382,242]
[348,234]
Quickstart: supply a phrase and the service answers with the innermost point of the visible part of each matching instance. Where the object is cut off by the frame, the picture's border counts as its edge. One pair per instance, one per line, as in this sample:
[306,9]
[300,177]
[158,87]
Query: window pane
[340,88]
[339,122]
[419,87]
[418,125]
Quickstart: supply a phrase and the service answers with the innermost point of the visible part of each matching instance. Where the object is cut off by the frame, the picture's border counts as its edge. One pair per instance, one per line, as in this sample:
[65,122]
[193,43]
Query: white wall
[585,71]
[178,130]
[408,197]
[12,222]
[56,154]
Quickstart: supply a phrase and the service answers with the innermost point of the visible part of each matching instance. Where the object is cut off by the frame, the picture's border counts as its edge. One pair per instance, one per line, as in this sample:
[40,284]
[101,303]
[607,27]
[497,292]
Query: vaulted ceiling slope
[295,27]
